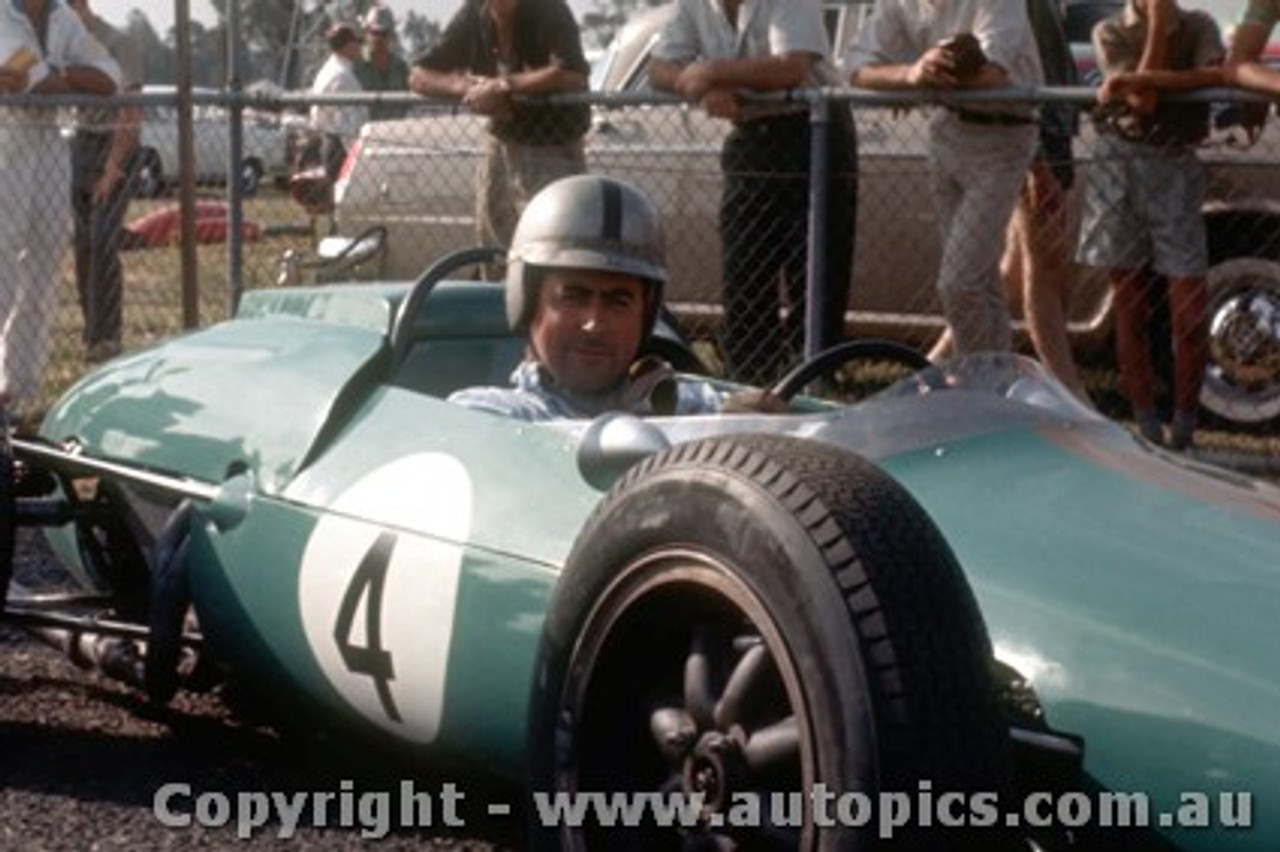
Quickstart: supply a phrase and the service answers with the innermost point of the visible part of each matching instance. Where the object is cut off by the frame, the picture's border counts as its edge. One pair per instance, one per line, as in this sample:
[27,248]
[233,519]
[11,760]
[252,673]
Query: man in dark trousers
[709,52]
[103,180]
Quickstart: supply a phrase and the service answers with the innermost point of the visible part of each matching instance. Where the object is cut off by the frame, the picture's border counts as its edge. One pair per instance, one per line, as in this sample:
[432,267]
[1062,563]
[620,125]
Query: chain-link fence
[406,194]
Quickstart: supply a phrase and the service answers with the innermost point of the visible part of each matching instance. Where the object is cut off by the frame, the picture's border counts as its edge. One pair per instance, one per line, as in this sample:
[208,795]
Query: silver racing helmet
[585,222]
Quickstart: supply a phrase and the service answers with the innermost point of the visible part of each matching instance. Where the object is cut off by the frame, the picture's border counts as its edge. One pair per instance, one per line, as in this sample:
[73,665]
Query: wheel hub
[1244,339]
[716,768]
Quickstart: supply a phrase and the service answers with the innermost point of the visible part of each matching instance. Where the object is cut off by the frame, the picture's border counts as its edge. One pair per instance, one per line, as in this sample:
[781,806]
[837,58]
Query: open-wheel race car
[964,611]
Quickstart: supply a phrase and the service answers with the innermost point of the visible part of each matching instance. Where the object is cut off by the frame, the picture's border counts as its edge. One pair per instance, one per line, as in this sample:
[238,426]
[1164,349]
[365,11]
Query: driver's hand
[754,401]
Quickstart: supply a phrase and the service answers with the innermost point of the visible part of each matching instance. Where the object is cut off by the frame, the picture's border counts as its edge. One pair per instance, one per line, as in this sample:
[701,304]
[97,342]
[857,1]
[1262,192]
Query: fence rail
[196,240]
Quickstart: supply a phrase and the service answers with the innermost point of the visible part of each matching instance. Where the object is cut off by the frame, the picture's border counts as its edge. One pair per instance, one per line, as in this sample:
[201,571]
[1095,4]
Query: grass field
[153,297]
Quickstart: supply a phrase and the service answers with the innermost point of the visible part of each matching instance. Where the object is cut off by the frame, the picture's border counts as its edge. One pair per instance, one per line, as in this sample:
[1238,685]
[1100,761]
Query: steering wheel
[832,358]
[402,328]
[358,249]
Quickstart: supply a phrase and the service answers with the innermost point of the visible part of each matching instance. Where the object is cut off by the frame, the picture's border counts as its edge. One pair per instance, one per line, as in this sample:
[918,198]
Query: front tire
[759,617]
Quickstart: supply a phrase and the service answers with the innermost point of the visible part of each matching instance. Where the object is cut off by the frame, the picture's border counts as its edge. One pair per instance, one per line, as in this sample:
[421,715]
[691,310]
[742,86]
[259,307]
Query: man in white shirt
[45,49]
[709,52]
[339,123]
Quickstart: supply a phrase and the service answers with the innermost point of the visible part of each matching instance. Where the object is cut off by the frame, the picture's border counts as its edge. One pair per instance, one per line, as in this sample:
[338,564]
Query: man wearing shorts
[1143,199]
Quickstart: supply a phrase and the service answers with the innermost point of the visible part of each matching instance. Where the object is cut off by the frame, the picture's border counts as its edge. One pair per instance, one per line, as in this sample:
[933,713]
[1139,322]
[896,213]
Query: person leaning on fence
[338,124]
[1037,255]
[979,152]
[494,55]
[381,68]
[104,165]
[1143,200]
[709,52]
[45,49]
[585,275]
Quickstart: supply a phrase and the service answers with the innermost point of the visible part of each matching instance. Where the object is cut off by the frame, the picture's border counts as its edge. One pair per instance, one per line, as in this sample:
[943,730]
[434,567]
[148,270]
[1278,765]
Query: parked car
[415,177]
[967,585]
[264,146]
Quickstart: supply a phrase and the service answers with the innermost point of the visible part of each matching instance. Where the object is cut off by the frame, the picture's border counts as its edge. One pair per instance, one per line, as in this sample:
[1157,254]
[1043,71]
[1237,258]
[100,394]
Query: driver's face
[587,327]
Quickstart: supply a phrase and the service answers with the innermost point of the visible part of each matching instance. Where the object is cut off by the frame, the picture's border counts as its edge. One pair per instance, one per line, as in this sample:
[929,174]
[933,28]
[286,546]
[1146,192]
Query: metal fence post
[816,290]
[235,157]
[186,158]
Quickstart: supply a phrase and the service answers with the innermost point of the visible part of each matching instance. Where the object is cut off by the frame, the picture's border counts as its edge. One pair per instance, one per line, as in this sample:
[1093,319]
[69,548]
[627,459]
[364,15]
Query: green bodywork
[1137,592]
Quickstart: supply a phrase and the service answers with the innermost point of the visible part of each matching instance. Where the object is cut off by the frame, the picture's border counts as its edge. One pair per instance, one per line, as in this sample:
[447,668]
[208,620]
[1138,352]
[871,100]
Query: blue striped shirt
[531,398]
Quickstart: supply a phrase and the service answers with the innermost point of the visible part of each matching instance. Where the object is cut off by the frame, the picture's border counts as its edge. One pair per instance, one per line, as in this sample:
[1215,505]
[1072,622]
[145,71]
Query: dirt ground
[84,759]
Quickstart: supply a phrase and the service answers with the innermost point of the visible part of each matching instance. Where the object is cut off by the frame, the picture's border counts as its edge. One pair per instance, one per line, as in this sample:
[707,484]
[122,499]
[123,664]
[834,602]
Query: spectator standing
[491,55]
[709,52]
[979,153]
[103,179]
[1037,261]
[1143,201]
[1036,264]
[381,67]
[45,49]
[338,124]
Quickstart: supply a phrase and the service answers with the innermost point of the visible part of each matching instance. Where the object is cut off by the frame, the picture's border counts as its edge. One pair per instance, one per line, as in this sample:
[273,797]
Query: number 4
[371,658]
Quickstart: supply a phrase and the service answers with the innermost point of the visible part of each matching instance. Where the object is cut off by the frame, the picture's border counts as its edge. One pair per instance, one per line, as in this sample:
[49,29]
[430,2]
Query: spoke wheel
[1242,378]
[743,622]
[683,680]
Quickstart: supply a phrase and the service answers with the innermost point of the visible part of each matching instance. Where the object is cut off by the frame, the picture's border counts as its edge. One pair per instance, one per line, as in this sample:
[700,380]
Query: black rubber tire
[877,646]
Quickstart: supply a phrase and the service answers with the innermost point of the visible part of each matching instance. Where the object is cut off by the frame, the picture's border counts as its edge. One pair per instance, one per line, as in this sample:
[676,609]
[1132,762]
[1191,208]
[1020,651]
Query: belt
[998,119]
[767,120]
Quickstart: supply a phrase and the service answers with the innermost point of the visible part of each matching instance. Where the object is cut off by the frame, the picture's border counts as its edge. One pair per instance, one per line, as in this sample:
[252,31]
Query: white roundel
[378,599]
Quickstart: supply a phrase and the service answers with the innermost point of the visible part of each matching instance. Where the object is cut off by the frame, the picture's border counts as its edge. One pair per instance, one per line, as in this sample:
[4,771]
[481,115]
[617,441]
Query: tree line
[282,41]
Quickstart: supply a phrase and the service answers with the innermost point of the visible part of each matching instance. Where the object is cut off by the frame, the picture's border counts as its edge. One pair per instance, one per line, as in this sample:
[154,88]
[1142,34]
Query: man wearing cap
[493,56]
[381,68]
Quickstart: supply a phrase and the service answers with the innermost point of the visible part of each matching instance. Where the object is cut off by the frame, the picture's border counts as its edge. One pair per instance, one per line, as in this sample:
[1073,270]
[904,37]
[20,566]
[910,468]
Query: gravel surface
[82,758]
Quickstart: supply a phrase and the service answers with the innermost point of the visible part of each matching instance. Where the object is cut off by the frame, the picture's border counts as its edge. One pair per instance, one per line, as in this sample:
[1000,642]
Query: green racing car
[965,595]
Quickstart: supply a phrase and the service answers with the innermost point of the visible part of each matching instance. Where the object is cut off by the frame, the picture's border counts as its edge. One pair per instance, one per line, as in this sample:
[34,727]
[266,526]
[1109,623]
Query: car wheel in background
[251,172]
[150,175]
[1242,382]
[760,618]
